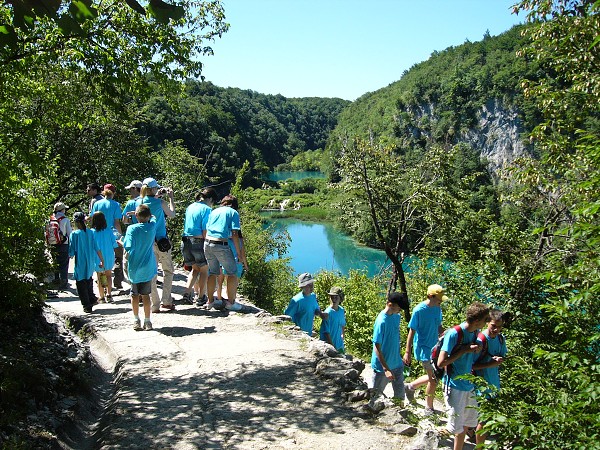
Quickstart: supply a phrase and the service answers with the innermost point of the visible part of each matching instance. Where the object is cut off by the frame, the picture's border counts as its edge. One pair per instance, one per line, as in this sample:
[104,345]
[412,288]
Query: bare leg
[146,300]
[220,280]
[459,439]
[210,286]
[135,304]
[108,274]
[202,277]
[480,438]
[232,285]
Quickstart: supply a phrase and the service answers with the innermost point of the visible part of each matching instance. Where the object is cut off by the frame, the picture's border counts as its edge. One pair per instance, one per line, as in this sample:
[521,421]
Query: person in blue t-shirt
[192,244]
[83,247]
[224,223]
[303,306]
[106,241]
[492,356]
[425,327]
[161,209]
[332,329]
[458,357]
[139,245]
[386,360]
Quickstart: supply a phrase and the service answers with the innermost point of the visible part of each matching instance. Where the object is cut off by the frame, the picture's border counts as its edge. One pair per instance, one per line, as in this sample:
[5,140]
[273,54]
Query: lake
[318,246]
[282,176]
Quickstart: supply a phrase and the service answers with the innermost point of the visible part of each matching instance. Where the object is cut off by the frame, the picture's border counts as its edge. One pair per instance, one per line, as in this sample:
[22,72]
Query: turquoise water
[318,246]
[282,176]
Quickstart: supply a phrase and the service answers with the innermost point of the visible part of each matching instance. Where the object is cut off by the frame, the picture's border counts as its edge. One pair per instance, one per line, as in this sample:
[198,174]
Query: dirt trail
[211,379]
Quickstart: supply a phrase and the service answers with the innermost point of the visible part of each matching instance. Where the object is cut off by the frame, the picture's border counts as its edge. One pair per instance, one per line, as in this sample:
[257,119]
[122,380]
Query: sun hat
[336,290]
[305,279]
[436,289]
[60,206]
[150,182]
[134,184]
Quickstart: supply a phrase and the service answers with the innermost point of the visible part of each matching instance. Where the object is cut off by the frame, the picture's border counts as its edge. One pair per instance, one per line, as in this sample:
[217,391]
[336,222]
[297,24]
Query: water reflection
[317,246]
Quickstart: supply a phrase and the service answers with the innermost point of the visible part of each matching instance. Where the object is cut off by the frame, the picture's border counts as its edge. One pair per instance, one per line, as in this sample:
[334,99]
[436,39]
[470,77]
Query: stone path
[211,379]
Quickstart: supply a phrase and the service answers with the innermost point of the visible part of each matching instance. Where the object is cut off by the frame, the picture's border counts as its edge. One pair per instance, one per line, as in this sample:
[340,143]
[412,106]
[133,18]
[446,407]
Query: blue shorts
[218,254]
[192,250]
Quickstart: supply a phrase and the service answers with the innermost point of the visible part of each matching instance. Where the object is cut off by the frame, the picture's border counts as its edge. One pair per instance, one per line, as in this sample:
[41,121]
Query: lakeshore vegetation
[105,92]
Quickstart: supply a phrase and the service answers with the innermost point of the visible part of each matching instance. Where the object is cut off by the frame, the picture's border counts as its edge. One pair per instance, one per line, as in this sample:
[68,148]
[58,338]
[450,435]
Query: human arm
[388,373]
[169,207]
[445,359]
[99,252]
[495,361]
[407,359]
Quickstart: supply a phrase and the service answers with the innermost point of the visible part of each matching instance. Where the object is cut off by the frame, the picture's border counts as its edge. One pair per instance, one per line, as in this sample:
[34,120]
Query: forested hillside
[225,127]
[470,93]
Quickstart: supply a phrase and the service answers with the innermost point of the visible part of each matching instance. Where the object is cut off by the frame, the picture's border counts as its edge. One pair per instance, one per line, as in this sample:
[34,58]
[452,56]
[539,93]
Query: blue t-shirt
[196,218]
[495,347]
[386,333]
[155,205]
[139,243]
[426,321]
[333,325]
[464,364]
[221,222]
[106,242]
[131,205]
[83,247]
[302,311]
[111,210]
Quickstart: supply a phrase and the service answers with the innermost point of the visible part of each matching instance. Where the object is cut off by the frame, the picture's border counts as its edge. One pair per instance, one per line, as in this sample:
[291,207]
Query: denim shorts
[192,250]
[380,382]
[219,255]
[143,288]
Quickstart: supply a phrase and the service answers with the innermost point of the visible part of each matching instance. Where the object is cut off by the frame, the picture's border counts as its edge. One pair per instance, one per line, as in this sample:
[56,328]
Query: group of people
[211,246]
[464,350]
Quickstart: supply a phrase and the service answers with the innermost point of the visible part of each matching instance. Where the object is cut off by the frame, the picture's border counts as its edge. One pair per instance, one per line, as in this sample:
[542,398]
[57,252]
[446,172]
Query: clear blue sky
[342,48]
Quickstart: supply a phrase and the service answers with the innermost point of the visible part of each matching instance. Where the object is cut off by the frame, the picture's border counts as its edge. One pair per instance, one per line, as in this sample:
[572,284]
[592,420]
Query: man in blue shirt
[304,306]
[458,358]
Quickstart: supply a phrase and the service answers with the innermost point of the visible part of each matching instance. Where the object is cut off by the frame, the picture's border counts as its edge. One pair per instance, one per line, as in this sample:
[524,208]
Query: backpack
[54,235]
[438,372]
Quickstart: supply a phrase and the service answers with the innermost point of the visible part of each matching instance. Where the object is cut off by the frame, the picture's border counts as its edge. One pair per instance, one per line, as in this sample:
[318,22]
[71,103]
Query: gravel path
[211,379]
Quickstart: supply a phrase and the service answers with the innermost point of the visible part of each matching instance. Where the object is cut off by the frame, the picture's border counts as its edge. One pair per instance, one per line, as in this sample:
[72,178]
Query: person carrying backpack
[58,230]
[458,355]
[493,354]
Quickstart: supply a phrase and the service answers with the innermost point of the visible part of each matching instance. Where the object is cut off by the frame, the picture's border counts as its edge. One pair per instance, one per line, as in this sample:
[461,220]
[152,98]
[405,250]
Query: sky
[341,48]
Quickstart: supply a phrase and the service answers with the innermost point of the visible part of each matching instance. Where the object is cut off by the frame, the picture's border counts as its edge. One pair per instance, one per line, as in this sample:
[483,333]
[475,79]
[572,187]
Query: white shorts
[462,409]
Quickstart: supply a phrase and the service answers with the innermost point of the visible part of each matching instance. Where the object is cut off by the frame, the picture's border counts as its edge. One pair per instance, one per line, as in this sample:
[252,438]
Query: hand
[474,348]
[407,358]
[101,263]
[498,359]
[389,375]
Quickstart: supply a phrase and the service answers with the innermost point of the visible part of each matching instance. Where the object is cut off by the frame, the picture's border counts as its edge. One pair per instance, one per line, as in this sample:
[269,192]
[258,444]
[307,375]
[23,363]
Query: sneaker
[101,300]
[109,299]
[233,307]
[87,309]
[187,298]
[202,301]
[428,412]
[409,392]
[137,326]
[147,325]
[218,304]
[170,307]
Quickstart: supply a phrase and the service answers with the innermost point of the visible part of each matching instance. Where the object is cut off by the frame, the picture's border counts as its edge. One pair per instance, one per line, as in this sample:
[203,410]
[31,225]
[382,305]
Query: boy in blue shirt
[493,354]
[139,245]
[458,358]
[332,329]
[386,361]
[425,327]
[303,306]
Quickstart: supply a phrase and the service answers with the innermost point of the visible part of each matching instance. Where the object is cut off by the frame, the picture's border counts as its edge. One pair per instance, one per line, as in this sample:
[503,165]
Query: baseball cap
[134,184]
[110,187]
[150,182]
[436,289]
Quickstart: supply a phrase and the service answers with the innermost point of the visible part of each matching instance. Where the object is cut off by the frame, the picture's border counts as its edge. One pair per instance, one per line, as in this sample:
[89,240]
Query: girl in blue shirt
[332,329]
[106,242]
[83,247]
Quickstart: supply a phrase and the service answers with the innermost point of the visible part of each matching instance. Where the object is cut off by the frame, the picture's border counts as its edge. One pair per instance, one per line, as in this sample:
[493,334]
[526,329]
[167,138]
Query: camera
[161,191]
